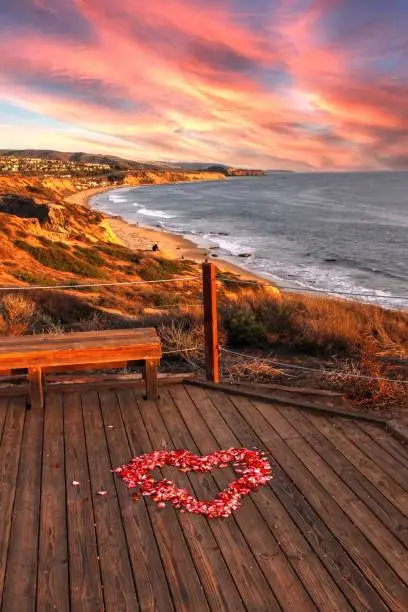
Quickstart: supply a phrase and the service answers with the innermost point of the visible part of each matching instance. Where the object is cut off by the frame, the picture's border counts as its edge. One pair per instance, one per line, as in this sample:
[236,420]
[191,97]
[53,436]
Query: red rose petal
[252,466]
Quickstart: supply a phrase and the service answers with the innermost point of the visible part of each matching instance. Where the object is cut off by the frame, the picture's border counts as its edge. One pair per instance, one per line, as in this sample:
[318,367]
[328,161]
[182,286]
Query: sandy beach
[171,245]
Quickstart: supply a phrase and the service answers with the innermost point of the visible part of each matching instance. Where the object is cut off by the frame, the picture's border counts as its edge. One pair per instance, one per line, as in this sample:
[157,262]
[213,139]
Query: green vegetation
[314,325]
[116,251]
[90,255]
[34,279]
[53,256]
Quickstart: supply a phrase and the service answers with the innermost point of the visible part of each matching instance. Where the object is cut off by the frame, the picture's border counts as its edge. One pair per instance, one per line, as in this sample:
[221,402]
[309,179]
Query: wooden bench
[81,350]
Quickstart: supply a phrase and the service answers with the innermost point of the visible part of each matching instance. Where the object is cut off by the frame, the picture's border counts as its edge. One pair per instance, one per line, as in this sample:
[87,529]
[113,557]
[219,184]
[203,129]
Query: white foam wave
[155,213]
[231,245]
[116,199]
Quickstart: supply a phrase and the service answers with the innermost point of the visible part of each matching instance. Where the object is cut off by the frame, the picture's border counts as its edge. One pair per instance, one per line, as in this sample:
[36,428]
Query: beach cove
[143,237]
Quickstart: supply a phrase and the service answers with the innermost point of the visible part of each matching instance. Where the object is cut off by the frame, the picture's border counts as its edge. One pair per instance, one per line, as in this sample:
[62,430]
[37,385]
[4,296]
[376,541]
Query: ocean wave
[233,246]
[355,264]
[117,199]
[155,213]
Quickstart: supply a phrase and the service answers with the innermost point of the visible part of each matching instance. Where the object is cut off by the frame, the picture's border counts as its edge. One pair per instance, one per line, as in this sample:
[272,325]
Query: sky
[304,85]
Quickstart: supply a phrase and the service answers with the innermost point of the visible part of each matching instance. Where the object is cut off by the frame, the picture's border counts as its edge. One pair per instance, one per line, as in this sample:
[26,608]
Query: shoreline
[172,246]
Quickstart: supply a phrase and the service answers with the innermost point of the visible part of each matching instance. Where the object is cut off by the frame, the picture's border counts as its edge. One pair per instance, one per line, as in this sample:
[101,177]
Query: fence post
[211,322]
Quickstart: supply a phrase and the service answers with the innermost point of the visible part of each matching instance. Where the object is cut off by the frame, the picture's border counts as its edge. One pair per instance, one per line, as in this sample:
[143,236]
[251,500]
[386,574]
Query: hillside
[119,163]
[46,240]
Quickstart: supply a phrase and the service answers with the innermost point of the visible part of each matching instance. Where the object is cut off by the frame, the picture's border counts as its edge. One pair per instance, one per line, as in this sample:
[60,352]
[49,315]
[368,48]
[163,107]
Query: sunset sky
[296,84]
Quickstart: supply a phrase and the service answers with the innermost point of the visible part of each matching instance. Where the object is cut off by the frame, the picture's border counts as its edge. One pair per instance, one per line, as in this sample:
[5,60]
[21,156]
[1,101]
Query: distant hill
[87,158]
[120,163]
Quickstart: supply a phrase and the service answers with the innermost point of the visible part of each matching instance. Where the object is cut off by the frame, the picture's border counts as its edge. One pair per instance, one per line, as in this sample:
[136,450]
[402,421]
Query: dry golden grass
[319,325]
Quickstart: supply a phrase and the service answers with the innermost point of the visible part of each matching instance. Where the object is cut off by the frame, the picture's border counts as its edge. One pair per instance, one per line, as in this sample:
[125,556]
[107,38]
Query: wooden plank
[36,386]
[3,413]
[152,588]
[118,587]
[10,449]
[360,550]
[97,355]
[337,511]
[84,574]
[287,588]
[211,322]
[230,390]
[185,586]
[113,365]
[53,584]
[380,537]
[300,390]
[152,387]
[376,475]
[385,511]
[317,581]
[399,429]
[69,336]
[229,537]
[50,342]
[213,571]
[387,441]
[343,570]
[394,469]
[14,391]
[21,577]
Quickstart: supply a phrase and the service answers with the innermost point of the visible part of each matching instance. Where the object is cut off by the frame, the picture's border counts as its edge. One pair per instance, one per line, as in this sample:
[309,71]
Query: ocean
[339,232]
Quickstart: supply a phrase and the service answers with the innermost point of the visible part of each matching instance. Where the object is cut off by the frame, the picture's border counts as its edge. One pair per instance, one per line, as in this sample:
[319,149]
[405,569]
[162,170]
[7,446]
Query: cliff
[42,206]
[170,176]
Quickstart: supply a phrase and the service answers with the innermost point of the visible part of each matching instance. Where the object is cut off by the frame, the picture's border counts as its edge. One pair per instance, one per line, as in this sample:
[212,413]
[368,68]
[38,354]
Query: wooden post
[211,322]
[150,375]
[36,385]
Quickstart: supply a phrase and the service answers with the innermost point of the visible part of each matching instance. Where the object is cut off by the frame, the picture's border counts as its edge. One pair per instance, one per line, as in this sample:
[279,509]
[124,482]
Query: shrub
[17,312]
[243,329]
[61,307]
[33,279]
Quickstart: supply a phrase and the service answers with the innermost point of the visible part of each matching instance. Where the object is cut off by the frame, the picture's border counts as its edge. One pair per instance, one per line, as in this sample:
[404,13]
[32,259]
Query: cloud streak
[302,84]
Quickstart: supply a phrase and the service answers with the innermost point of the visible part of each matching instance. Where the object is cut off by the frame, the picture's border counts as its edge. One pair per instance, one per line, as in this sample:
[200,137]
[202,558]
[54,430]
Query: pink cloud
[186,79]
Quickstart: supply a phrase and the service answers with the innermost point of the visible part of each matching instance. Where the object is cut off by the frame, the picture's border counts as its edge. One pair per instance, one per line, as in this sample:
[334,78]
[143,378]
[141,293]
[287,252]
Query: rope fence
[92,285]
[321,371]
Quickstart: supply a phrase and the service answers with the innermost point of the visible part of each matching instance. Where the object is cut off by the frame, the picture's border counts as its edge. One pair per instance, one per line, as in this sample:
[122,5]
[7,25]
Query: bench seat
[95,348]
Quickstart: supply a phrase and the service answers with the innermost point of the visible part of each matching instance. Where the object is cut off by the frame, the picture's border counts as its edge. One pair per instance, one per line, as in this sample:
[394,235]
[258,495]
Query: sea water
[345,232]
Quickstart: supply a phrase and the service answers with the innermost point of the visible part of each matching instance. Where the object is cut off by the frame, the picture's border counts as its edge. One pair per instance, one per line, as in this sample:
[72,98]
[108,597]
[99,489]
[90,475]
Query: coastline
[171,245]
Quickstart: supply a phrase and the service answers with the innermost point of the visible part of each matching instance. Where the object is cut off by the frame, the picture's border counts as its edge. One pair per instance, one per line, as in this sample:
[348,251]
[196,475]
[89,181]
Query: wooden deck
[330,532]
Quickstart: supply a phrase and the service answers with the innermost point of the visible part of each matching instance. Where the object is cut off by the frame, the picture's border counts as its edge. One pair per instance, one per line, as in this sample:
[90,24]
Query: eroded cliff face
[41,204]
[162,178]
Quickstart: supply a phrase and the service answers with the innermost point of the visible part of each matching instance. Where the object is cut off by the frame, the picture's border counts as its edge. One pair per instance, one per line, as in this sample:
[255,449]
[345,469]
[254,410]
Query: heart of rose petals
[252,465]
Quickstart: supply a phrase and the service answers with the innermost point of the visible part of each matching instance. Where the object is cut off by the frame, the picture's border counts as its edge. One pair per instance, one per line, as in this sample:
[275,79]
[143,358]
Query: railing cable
[92,285]
[308,369]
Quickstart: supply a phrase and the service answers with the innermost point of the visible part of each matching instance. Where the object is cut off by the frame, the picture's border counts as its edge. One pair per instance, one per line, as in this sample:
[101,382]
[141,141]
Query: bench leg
[150,375]
[36,384]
